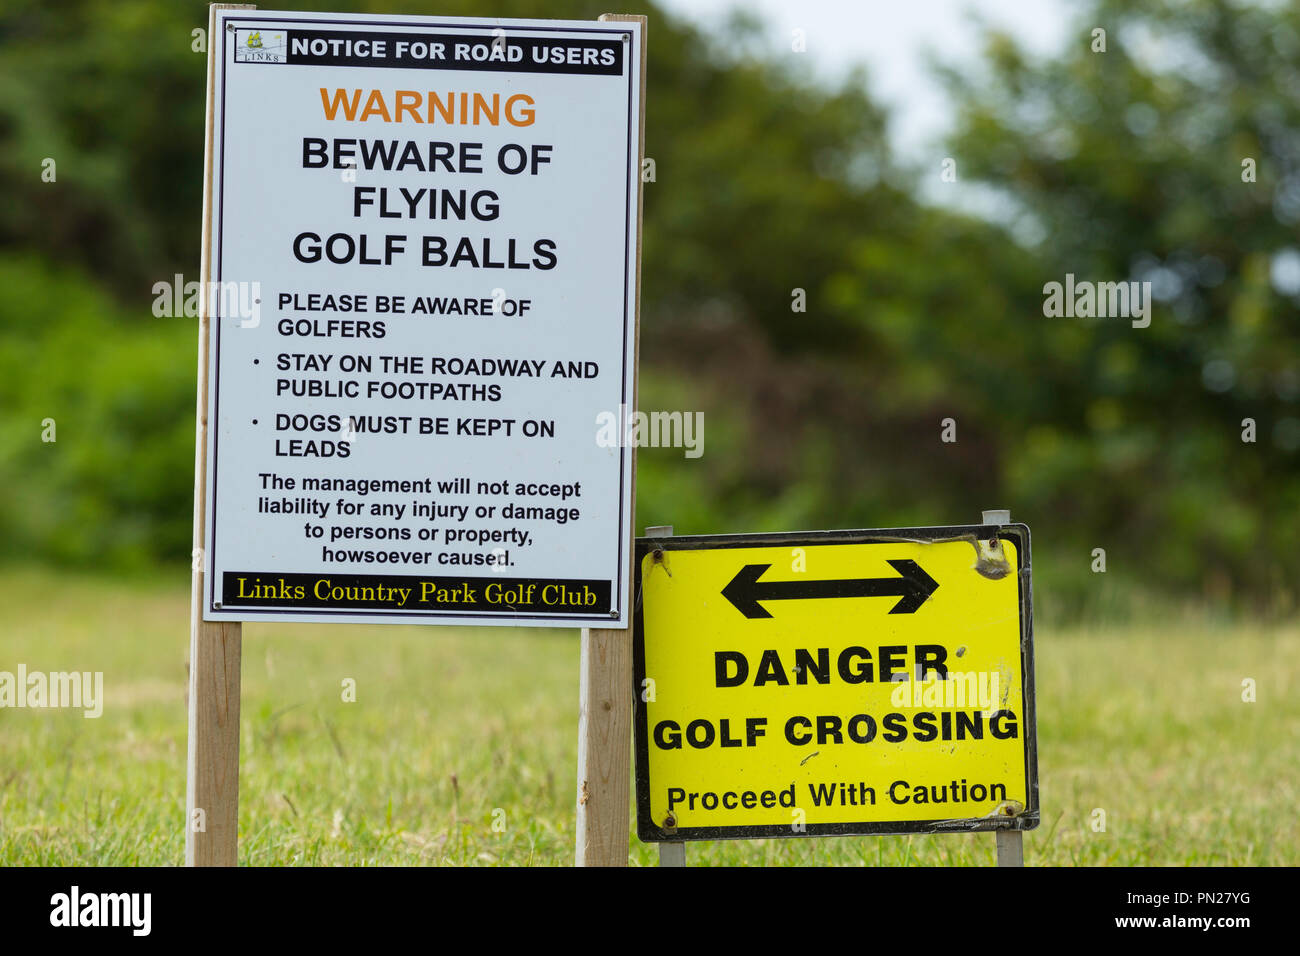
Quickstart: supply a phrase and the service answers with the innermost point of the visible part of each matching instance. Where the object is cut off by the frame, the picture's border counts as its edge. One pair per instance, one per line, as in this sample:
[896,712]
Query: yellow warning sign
[835,683]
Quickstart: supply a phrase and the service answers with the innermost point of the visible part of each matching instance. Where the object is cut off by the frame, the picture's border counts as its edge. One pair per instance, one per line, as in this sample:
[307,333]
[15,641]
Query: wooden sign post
[212,760]
[605,684]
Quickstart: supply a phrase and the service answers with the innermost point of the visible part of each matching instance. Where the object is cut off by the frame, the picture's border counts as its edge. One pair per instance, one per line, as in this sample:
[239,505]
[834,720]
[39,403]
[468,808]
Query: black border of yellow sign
[1017,534]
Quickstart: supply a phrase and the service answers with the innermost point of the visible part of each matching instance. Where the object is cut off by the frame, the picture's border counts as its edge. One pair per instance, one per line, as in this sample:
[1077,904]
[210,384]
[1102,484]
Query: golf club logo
[257,46]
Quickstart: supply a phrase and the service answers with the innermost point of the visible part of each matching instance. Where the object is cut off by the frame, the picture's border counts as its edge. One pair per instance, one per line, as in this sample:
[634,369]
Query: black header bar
[482,52]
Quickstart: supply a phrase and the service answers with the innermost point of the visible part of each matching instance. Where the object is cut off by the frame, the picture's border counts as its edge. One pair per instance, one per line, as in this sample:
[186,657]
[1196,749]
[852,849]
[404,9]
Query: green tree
[1172,158]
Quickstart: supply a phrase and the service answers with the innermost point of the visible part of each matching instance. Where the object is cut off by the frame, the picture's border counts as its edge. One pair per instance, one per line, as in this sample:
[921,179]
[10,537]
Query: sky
[890,37]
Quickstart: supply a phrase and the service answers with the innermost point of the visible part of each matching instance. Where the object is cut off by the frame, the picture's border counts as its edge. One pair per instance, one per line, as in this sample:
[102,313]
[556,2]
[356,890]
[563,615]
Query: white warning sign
[423,263]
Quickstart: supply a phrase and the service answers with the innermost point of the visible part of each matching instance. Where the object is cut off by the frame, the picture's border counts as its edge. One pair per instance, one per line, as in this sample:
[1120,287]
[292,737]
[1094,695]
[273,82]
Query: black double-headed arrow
[745,590]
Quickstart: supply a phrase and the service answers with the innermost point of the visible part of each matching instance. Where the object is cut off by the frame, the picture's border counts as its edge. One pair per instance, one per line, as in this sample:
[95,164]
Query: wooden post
[604,747]
[212,760]
[670,854]
[1010,843]
[605,684]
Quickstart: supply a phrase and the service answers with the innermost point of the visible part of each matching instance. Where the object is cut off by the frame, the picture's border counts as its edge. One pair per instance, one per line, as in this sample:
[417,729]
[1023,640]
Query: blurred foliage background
[1120,165]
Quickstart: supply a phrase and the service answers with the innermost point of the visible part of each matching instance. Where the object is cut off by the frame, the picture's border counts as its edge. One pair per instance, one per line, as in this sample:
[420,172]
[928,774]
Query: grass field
[1144,722]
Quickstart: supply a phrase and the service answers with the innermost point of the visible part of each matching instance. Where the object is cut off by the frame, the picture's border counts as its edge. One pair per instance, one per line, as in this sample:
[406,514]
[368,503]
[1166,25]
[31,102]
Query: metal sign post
[1010,843]
[670,853]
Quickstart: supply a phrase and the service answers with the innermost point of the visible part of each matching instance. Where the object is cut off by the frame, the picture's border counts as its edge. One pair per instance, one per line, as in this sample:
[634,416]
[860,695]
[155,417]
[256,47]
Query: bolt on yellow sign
[835,682]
